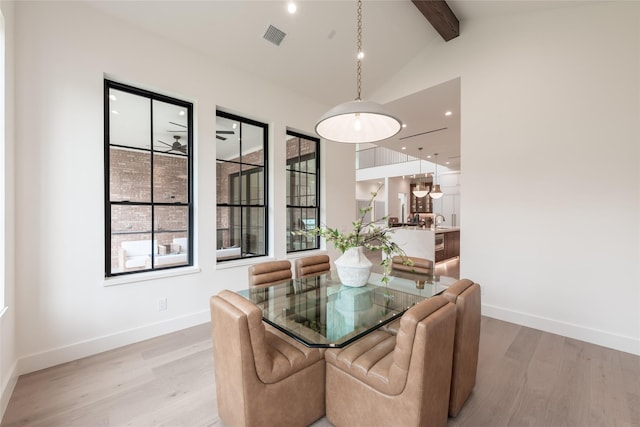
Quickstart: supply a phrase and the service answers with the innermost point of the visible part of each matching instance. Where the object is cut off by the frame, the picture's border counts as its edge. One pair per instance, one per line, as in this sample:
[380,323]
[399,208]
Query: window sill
[151,275]
[242,262]
[292,256]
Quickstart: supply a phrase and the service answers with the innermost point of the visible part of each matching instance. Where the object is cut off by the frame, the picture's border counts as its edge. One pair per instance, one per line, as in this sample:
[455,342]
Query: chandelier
[436,193]
[358,121]
[418,192]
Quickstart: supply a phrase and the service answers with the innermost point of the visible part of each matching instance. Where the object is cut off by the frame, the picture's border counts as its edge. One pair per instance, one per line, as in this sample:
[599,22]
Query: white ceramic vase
[353,267]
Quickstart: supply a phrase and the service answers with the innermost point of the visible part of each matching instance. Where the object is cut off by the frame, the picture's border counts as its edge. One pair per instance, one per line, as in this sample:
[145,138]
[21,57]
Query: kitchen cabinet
[420,204]
[450,205]
[451,246]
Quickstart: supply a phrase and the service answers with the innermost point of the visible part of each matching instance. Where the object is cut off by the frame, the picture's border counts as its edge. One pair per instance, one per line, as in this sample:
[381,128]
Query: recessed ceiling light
[404,148]
[114,112]
[446,163]
[428,157]
[113,97]
[448,113]
[404,125]
[181,113]
[291,7]
[235,125]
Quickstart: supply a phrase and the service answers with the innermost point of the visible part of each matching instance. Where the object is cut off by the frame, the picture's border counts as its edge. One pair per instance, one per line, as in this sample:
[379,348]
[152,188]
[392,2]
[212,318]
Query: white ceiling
[130,119]
[319,46]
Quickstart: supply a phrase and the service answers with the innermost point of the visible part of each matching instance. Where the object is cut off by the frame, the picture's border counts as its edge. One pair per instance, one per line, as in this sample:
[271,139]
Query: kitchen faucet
[435,220]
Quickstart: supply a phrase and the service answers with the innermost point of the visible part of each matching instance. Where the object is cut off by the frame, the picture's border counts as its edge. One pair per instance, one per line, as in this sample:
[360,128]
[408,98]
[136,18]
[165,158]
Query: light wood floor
[525,378]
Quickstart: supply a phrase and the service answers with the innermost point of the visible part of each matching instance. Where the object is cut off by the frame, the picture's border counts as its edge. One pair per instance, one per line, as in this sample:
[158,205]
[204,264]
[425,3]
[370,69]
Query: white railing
[380,156]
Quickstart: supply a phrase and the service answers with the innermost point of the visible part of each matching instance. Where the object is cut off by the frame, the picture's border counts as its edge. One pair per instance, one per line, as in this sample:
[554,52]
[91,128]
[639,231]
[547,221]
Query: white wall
[337,168]
[364,190]
[395,186]
[8,357]
[557,88]
[64,309]
[550,182]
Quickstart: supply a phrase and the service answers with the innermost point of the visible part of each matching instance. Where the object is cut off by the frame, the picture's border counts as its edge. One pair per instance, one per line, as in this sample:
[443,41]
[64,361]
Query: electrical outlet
[162,304]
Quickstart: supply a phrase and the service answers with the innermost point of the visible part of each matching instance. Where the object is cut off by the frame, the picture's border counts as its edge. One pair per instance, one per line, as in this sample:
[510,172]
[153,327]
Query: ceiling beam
[441,17]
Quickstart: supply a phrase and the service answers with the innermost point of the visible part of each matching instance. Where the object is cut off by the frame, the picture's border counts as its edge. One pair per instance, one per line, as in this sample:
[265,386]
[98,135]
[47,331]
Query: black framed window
[303,190]
[241,186]
[148,180]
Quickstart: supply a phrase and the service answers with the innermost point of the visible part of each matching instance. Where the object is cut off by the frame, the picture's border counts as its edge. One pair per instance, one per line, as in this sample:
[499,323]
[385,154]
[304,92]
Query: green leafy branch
[367,234]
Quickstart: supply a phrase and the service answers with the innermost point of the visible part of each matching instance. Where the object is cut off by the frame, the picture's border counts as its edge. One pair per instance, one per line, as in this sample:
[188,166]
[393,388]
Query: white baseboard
[56,356]
[594,336]
[7,389]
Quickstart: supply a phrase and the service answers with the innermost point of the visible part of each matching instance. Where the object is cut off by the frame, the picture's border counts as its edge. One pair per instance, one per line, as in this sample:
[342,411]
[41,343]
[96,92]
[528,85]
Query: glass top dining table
[319,311]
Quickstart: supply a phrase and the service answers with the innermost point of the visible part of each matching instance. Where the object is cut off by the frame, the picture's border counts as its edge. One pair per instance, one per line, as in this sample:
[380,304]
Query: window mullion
[151,192]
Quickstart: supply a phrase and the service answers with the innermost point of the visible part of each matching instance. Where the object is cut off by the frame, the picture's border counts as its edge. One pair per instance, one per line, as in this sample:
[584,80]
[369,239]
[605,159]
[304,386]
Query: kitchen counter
[421,242]
[446,229]
[416,242]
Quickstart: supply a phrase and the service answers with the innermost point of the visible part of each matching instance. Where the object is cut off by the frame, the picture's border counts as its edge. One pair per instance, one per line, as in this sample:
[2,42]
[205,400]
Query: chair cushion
[268,273]
[420,265]
[183,242]
[369,359]
[312,265]
[137,261]
[170,259]
[138,247]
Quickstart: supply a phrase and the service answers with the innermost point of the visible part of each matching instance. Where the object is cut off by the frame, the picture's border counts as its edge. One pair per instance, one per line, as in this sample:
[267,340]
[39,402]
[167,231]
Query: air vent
[274,35]
[422,133]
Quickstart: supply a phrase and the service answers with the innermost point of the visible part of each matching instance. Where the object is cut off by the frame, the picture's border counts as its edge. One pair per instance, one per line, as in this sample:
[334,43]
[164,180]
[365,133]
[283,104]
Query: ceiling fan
[176,146]
[179,125]
[218,132]
[223,132]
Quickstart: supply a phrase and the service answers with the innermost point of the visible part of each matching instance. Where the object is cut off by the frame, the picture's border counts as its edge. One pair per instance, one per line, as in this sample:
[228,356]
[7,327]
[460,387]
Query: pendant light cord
[359,51]
[358,121]
[420,163]
[435,176]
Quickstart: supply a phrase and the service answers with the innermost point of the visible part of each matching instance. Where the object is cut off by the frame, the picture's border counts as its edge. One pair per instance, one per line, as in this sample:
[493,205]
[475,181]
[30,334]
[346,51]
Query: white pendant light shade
[420,193]
[356,122]
[436,193]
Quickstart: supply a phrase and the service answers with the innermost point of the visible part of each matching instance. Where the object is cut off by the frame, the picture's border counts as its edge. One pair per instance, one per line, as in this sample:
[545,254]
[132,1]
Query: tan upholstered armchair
[312,265]
[395,380]
[419,266]
[263,377]
[466,296]
[269,273]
